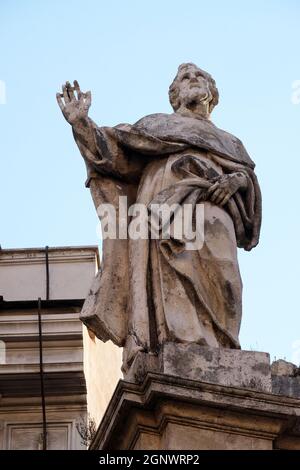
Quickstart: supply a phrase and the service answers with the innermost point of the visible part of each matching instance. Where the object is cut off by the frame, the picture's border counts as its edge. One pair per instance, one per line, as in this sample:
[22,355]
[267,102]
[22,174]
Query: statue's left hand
[221,191]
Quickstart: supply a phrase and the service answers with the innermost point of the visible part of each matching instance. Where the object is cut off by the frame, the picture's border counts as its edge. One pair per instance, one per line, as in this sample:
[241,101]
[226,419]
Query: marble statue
[152,291]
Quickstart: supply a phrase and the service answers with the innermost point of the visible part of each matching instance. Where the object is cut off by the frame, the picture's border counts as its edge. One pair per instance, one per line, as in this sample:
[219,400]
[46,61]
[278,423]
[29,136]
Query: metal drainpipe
[47,272]
[42,374]
[41,349]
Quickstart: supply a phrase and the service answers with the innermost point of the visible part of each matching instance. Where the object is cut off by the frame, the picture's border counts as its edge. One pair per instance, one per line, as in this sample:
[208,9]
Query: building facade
[53,374]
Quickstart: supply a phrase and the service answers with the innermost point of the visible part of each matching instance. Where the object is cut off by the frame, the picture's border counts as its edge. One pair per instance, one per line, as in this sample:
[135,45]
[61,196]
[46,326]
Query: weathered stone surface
[285,378]
[168,412]
[284,368]
[286,386]
[235,368]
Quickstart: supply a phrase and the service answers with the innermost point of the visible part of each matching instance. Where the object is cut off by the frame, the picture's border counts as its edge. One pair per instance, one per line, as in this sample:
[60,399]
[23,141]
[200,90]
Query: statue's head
[193,90]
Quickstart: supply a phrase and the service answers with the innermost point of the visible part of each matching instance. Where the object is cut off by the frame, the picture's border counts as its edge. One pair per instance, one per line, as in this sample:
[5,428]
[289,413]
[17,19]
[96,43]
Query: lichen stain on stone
[214,229]
[262,368]
[229,294]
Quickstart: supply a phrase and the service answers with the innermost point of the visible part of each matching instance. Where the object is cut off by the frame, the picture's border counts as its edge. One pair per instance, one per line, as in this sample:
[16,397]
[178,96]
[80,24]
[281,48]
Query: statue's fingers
[88,99]
[225,200]
[60,101]
[220,197]
[65,93]
[70,91]
[216,193]
[77,88]
[212,188]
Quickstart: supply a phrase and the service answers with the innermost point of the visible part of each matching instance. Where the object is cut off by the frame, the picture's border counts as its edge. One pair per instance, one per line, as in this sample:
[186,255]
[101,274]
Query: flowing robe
[152,291]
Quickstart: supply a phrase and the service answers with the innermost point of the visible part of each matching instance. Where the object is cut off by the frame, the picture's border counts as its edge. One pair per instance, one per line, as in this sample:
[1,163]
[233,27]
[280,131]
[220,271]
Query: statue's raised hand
[74,104]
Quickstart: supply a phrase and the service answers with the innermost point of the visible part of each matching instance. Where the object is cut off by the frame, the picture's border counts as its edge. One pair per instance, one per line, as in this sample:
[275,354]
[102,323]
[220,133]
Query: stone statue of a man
[152,291]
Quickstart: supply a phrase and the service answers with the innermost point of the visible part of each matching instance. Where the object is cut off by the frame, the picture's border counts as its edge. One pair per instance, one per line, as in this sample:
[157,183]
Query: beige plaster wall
[102,369]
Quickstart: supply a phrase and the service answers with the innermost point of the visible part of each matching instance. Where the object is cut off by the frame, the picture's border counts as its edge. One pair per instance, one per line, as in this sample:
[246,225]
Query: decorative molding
[20,305]
[56,255]
[161,400]
[56,383]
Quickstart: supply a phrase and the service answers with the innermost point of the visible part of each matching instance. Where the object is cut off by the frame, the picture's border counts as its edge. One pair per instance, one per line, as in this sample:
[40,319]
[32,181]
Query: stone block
[285,378]
[286,386]
[230,367]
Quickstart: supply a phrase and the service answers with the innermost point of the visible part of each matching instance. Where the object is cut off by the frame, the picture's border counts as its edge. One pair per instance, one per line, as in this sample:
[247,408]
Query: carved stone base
[232,367]
[174,413]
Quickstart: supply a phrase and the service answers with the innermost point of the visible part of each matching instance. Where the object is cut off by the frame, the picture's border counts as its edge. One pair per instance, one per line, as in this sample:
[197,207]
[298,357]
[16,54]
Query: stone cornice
[19,305]
[56,384]
[56,255]
[284,411]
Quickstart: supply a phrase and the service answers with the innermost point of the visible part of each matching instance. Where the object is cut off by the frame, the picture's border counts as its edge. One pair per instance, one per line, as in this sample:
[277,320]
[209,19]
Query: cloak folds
[127,156]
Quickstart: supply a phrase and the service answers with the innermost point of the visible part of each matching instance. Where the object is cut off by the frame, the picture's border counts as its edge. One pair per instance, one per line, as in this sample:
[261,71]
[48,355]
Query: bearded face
[193,91]
[193,88]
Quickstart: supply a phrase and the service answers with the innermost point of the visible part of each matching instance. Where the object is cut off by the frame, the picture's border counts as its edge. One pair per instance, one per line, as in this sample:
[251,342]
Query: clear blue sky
[127,52]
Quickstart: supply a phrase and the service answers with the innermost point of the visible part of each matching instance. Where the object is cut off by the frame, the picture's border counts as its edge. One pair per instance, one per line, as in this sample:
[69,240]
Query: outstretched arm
[74,105]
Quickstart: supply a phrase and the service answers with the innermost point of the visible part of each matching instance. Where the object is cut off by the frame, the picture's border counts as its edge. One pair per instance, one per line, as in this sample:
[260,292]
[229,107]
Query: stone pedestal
[196,398]
[168,412]
[233,367]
